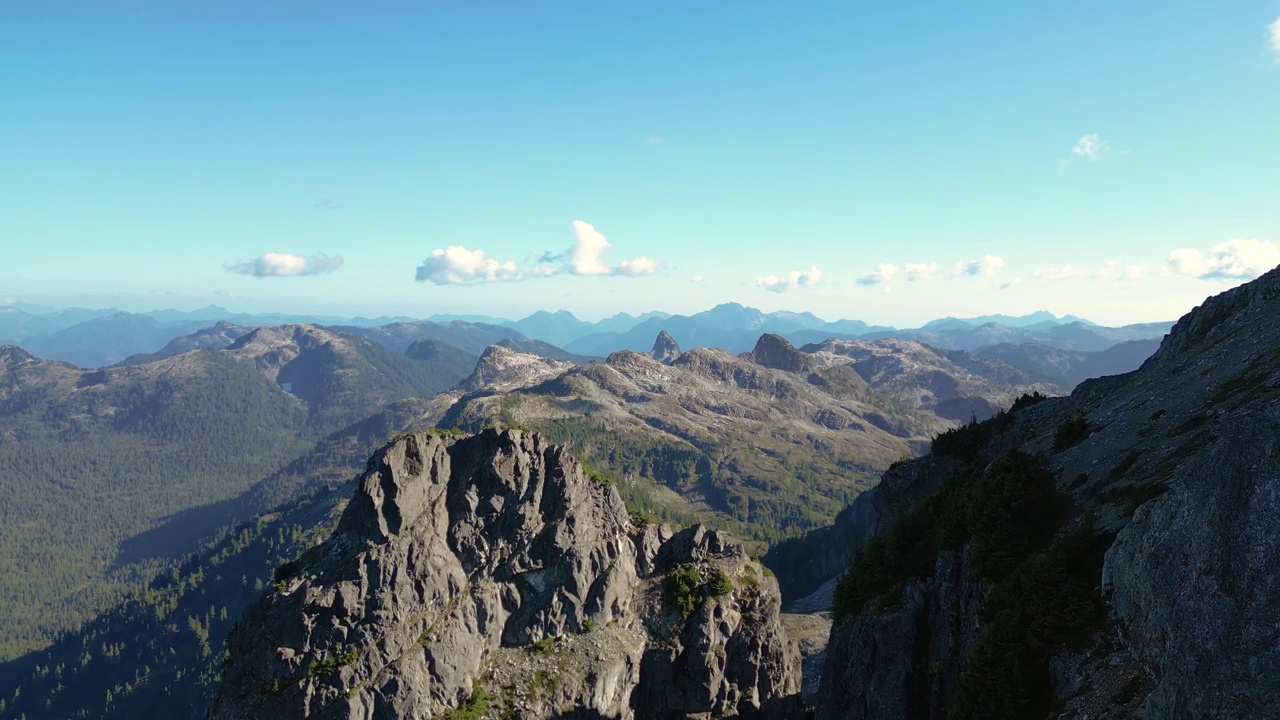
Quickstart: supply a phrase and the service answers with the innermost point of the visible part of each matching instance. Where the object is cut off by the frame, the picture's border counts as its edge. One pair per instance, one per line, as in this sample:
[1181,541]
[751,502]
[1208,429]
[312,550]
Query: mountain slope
[1069,368]
[159,652]
[545,349]
[215,337]
[954,384]
[1116,549]
[107,340]
[766,452]
[1078,336]
[109,474]
[472,337]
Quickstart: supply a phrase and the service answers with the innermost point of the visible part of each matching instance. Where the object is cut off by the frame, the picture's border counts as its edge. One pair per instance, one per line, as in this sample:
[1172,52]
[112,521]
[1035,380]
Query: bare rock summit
[491,573]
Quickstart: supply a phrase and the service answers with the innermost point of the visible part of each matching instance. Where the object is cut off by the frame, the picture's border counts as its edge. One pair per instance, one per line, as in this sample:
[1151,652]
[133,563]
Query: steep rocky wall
[1157,595]
[491,571]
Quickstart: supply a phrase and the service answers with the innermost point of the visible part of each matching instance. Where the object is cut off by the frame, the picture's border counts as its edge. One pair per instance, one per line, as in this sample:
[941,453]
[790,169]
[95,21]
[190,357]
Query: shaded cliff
[1111,554]
[491,572]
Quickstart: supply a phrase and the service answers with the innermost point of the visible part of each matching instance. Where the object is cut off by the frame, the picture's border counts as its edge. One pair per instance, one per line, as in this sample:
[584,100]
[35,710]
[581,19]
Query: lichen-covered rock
[491,570]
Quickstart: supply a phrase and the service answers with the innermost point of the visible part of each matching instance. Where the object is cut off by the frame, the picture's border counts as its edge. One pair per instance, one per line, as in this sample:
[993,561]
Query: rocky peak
[12,356]
[224,326]
[494,567]
[501,368]
[773,351]
[665,348]
[1213,320]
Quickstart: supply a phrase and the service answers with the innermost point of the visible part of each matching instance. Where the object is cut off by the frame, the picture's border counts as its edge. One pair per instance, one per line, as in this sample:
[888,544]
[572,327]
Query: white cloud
[1274,31]
[1113,270]
[1066,272]
[1011,284]
[883,273]
[10,301]
[985,266]
[636,267]
[1091,147]
[920,271]
[795,278]
[1231,260]
[584,256]
[286,265]
[456,265]
[653,140]
[696,278]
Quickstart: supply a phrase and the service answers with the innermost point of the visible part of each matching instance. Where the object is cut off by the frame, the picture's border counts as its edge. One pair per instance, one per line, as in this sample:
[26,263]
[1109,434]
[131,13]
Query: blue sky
[1113,160]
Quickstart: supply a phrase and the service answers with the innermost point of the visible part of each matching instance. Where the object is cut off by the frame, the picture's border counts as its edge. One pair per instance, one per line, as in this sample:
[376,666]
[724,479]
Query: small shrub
[1070,433]
[720,584]
[684,590]
[543,646]
[588,625]
[473,708]
[640,518]
[332,663]
[1027,401]
[287,570]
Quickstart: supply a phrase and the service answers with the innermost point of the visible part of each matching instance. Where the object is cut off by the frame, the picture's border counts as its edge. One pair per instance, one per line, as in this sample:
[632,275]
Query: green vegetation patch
[1070,433]
[1051,603]
[332,663]
[687,589]
[473,708]
[1044,596]
[1005,514]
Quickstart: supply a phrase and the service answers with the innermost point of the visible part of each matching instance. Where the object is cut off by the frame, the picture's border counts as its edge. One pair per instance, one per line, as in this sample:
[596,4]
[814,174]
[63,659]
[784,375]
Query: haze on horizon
[888,164]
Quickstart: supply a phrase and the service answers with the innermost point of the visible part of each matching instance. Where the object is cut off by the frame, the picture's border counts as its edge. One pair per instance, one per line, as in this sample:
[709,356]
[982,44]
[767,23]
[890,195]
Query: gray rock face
[773,351]
[1180,462]
[665,348]
[502,368]
[492,566]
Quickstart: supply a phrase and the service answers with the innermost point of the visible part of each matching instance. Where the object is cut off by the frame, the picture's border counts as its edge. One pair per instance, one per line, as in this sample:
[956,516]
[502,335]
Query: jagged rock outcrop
[491,570]
[1155,593]
[501,368]
[773,351]
[665,348]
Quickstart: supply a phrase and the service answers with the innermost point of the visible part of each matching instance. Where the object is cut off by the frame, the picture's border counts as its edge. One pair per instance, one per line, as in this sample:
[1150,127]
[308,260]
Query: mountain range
[96,338]
[769,444]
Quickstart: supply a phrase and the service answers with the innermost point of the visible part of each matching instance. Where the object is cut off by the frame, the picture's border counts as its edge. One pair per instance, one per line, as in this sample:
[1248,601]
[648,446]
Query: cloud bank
[456,265]
[920,271]
[985,266]
[1231,260]
[883,273]
[286,265]
[795,278]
